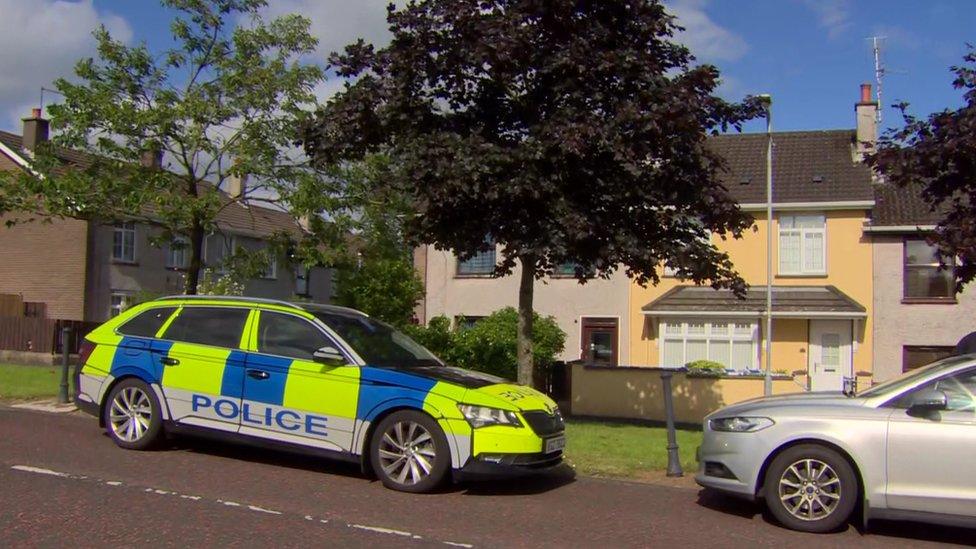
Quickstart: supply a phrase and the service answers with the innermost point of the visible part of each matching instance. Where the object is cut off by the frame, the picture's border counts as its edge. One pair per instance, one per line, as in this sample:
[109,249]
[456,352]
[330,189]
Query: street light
[767,102]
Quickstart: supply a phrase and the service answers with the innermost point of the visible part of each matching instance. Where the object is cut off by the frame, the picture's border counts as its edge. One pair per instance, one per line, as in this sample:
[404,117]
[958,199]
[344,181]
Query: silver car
[904,448]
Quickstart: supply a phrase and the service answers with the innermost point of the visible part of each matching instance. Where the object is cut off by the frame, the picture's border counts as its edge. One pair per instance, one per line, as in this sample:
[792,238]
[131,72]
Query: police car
[319,378]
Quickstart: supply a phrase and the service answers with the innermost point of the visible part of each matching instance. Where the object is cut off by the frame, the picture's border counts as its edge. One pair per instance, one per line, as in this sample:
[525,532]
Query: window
[482,263]
[378,343]
[959,388]
[217,326]
[178,253]
[464,322]
[802,245]
[923,279]
[118,303]
[301,279]
[271,269]
[568,270]
[916,356]
[147,323]
[732,343]
[290,336]
[124,242]
[223,248]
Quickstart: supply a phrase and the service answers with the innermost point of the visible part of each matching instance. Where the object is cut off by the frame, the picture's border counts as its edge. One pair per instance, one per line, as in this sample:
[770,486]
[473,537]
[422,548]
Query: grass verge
[625,450]
[25,382]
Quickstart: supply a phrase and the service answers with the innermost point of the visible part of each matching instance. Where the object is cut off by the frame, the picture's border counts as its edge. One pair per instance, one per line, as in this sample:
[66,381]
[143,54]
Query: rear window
[217,326]
[147,323]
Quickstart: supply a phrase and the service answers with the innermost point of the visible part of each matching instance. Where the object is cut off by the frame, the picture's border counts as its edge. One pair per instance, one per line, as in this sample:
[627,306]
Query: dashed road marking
[228,503]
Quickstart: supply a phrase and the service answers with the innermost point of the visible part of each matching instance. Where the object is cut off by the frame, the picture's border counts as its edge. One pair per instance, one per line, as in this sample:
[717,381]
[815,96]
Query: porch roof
[788,302]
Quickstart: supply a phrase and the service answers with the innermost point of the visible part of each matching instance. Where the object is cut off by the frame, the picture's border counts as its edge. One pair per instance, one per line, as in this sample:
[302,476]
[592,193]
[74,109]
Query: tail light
[84,352]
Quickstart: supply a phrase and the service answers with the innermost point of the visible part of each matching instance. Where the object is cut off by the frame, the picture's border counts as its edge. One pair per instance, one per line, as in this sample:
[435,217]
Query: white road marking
[263,510]
[194,498]
[229,503]
[382,530]
[39,471]
[113,483]
[455,544]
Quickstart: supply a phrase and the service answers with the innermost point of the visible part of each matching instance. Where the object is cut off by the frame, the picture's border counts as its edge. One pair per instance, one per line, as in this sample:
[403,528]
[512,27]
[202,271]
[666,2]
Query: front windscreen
[378,343]
[909,378]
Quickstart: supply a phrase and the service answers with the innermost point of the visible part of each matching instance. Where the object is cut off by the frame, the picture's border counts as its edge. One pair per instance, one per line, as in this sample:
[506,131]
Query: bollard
[674,462]
[65,349]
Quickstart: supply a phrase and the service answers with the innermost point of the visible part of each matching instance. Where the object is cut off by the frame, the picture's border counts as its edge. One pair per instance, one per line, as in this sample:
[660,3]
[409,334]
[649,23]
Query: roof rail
[229,298]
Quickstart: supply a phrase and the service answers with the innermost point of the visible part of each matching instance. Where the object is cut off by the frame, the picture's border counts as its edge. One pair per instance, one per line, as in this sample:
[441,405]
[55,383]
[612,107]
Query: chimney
[35,130]
[866,113]
[237,186]
[151,158]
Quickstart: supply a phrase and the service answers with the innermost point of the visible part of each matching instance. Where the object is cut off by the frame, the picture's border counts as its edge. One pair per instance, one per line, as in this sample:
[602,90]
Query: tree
[563,131]
[938,155]
[225,101]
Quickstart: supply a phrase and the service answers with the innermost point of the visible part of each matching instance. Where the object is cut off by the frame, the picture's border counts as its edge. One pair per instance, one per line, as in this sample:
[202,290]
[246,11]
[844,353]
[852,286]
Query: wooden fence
[41,335]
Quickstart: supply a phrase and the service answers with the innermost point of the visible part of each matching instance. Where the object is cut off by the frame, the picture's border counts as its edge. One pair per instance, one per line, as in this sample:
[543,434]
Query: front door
[830,354]
[598,341]
[929,455]
[288,396]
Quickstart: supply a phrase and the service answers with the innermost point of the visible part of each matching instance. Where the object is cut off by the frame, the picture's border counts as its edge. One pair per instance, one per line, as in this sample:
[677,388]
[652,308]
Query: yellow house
[822,267]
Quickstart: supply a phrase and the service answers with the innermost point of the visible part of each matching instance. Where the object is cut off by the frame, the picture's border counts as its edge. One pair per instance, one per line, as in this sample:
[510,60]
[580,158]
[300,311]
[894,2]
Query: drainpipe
[767,101]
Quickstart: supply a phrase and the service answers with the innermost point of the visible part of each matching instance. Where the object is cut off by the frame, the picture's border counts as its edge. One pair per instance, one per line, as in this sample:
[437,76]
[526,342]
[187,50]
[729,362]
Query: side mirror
[328,355]
[928,400]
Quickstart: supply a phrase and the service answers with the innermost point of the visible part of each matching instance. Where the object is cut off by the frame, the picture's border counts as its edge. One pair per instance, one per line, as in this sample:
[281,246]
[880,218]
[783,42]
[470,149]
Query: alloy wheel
[130,414]
[407,452]
[810,489]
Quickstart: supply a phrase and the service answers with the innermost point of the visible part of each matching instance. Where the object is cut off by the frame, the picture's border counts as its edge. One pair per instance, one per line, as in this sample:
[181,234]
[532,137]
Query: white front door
[830,354]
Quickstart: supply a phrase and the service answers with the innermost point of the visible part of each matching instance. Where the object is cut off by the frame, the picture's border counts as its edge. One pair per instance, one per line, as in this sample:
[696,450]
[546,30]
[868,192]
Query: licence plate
[555,444]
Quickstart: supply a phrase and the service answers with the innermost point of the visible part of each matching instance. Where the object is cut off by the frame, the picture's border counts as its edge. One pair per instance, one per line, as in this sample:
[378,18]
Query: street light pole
[767,101]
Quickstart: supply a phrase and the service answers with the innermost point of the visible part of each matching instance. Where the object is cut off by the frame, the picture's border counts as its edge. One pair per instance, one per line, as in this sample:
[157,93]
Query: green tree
[937,156]
[565,131]
[225,101]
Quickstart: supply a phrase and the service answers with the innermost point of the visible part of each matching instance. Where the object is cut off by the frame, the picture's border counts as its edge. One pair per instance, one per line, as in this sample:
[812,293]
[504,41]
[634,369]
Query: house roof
[234,217]
[808,166]
[788,301]
[901,207]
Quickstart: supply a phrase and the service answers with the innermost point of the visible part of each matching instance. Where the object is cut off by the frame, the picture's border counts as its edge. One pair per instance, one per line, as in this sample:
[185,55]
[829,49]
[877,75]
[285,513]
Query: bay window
[732,343]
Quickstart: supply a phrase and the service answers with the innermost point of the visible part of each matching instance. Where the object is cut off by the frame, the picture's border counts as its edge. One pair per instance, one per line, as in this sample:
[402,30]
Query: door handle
[169,361]
[258,374]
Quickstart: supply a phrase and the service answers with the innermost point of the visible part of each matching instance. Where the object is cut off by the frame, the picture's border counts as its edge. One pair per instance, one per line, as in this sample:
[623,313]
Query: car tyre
[811,488]
[133,418]
[409,452]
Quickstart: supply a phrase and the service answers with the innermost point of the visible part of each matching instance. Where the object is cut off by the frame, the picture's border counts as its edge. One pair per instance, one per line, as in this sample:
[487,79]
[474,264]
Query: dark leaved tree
[938,154]
[561,131]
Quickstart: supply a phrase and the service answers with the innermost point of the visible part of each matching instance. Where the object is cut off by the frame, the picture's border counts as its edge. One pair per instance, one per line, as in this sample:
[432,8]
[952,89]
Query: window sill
[124,262]
[801,275]
[474,275]
[929,301]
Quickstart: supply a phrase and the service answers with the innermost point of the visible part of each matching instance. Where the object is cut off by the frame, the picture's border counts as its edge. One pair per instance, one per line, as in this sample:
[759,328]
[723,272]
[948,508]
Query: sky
[810,55]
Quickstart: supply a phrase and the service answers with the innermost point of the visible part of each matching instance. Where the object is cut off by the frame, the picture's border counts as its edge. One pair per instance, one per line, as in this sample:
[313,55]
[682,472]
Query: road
[64,482]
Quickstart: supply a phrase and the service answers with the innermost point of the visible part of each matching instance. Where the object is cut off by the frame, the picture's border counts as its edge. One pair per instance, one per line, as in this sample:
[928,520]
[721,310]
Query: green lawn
[624,450]
[23,382]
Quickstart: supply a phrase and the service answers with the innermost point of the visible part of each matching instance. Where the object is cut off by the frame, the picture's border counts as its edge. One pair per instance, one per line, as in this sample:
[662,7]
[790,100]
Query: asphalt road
[63,482]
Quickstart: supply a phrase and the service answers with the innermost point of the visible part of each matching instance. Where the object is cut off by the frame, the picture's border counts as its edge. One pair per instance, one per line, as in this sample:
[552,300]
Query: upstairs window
[802,245]
[480,264]
[923,279]
[178,253]
[124,242]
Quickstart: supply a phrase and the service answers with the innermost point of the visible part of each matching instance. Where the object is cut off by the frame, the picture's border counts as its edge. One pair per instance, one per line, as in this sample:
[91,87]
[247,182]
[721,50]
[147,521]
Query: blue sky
[811,55]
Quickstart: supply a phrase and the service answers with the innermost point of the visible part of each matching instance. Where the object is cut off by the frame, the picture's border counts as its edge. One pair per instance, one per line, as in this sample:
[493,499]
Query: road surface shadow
[732,505]
[541,482]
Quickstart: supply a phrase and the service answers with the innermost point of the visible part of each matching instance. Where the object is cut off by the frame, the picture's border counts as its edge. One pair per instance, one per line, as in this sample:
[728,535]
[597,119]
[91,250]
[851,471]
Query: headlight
[739,424]
[481,416]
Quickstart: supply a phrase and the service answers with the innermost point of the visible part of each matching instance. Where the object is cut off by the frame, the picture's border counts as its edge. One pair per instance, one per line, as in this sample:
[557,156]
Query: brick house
[84,270]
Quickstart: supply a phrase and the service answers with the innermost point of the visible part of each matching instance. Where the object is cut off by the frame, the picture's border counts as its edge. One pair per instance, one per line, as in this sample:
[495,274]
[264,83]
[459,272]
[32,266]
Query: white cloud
[706,39]
[832,15]
[337,23]
[40,41]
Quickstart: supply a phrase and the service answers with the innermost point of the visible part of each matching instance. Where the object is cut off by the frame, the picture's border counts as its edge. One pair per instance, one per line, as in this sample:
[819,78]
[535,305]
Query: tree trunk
[196,259]
[526,366]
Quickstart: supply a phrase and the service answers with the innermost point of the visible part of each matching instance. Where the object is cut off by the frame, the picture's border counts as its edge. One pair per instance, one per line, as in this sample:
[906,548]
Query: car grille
[545,424]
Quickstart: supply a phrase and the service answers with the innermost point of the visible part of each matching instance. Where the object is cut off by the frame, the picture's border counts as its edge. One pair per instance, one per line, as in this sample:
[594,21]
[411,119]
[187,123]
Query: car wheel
[409,452]
[811,488]
[132,415]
